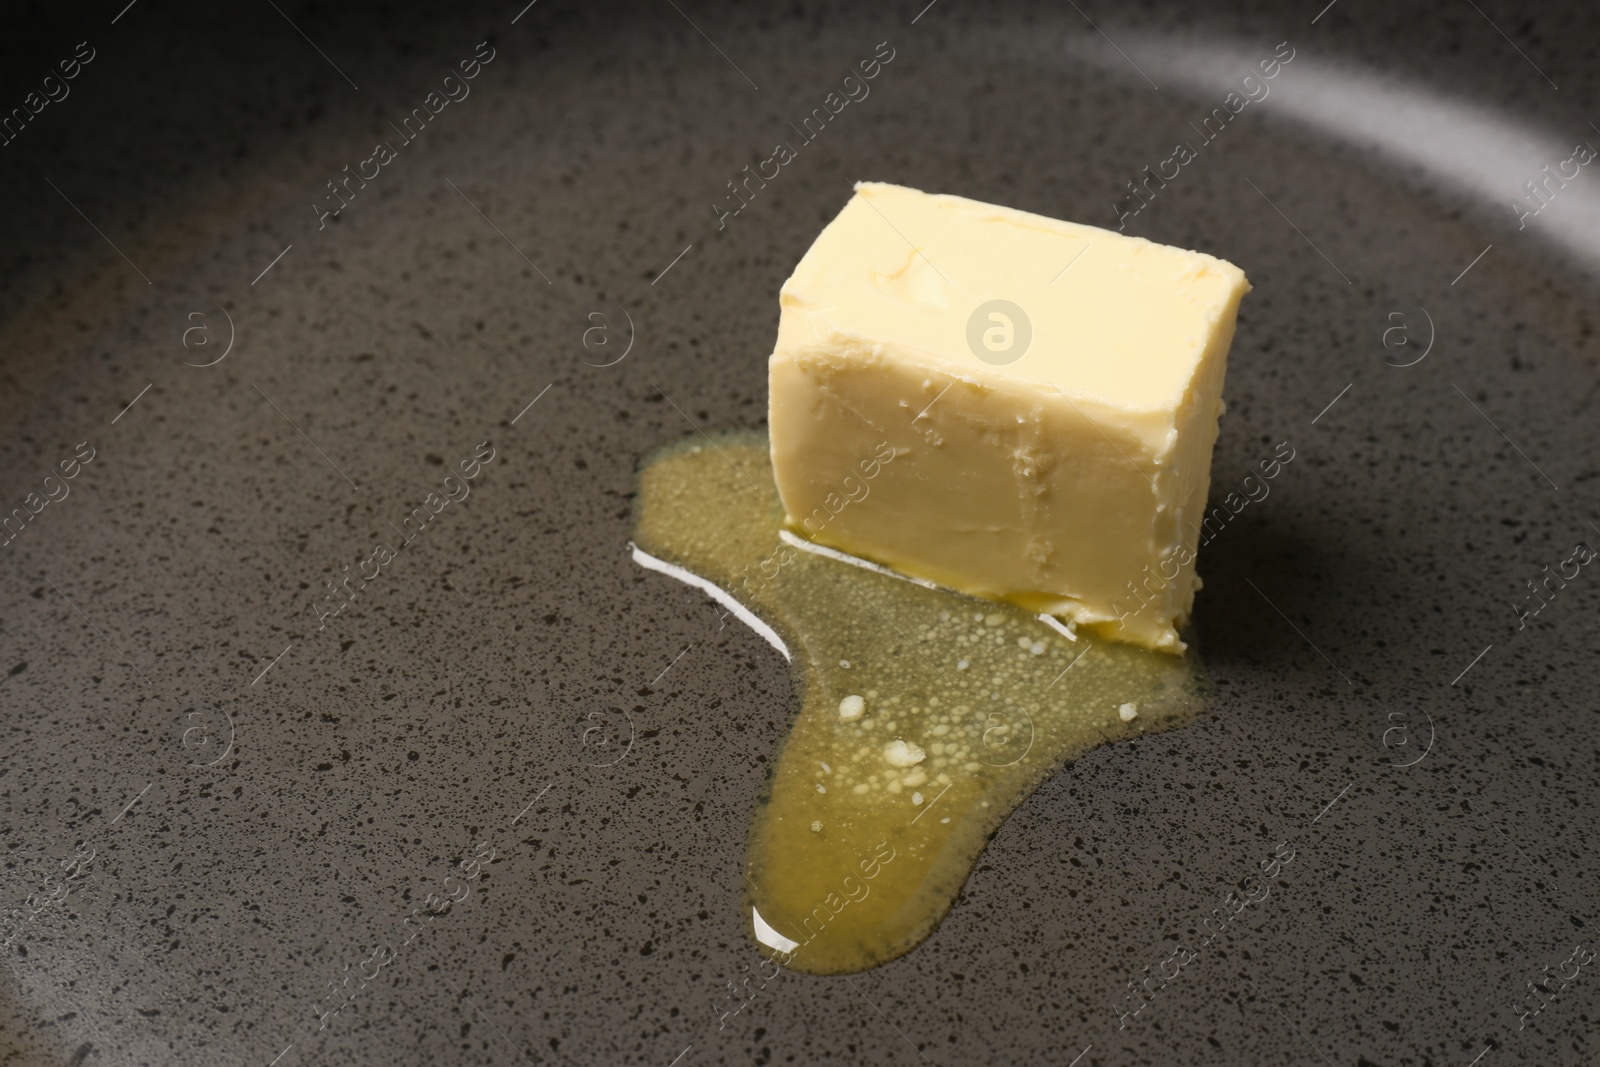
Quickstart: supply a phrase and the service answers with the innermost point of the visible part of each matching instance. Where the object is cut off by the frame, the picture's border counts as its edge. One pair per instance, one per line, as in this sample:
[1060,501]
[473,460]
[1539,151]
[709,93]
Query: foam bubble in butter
[926,716]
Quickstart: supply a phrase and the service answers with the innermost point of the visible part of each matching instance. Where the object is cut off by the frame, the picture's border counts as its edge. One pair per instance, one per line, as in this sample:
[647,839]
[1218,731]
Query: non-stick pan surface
[219,796]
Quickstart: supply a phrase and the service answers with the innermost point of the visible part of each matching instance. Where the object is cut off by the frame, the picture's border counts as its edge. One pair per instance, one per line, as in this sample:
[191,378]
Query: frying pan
[493,807]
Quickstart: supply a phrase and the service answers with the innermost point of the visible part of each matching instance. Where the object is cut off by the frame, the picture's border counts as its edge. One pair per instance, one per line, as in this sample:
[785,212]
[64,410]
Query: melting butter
[926,717]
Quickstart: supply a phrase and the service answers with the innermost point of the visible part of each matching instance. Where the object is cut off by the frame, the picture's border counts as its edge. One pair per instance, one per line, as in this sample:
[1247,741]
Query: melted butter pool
[926,716]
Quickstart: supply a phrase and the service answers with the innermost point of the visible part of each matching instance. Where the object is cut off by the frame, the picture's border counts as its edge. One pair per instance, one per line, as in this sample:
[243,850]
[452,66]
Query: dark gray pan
[501,682]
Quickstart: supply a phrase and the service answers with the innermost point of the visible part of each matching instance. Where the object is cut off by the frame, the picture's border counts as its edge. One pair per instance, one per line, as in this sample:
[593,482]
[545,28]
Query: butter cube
[1009,405]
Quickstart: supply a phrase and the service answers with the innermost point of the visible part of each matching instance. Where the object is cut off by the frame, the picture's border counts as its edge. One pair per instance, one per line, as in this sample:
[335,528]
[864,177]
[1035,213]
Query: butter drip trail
[859,847]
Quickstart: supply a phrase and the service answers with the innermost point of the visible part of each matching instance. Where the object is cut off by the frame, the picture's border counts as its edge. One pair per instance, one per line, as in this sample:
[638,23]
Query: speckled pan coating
[512,682]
